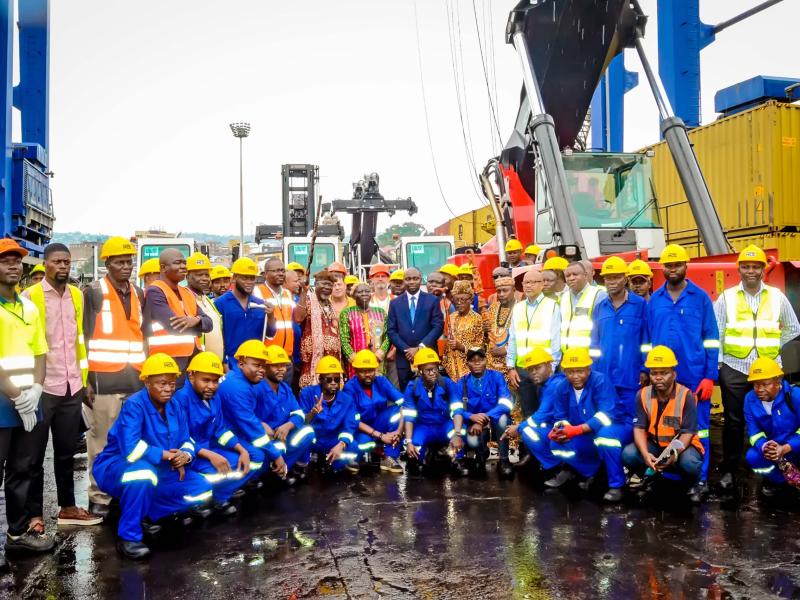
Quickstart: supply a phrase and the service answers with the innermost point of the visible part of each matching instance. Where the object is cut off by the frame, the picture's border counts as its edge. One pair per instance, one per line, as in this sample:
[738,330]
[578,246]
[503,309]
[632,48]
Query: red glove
[572,430]
[704,390]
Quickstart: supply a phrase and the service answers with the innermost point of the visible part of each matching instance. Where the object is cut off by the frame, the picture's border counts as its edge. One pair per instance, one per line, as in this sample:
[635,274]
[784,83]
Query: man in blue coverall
[773,425]
[239,395]
[620,343]
[333,414]
[146,462]
[591,424]
[432,414]
[279,411]
[487,408]
[680,316]
[226,462]
[535,429]
[379,406]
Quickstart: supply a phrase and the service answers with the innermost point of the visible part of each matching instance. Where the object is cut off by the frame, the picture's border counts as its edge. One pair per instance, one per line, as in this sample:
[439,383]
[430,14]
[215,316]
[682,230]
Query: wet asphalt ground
[380,536]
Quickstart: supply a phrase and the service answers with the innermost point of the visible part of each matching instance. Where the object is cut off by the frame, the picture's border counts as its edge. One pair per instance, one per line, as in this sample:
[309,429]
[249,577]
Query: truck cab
[326,251]
[426,253]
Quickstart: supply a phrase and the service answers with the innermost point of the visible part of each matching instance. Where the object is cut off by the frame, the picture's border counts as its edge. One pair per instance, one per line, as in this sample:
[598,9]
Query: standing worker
[176,322]
[397,282]
[273,293]
[113,328]
[149,271]
[220,281]
[198,280]
[67,367]
[23,347]
[532,253]
[555,285]
[680,316]
[577,305]
[755,320]
[514,254]
[37,274]
[640,278]
[379,282]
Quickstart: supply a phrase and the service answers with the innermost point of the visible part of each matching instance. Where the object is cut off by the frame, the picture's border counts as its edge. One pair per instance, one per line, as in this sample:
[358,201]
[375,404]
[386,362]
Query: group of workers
[205,383]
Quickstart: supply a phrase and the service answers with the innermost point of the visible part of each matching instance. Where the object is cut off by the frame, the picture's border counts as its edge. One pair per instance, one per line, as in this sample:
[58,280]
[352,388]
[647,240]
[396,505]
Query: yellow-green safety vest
[745,330]
[533,332]
[576,324]
[36,293]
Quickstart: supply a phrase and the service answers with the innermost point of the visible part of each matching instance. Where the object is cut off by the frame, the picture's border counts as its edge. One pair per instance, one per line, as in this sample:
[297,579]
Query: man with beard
[274,293]
[320,335]
[379,282]
[498,324]
[220,281]
[640,278]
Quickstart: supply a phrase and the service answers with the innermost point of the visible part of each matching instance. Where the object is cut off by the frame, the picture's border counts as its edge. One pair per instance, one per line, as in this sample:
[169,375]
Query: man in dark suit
[415,321]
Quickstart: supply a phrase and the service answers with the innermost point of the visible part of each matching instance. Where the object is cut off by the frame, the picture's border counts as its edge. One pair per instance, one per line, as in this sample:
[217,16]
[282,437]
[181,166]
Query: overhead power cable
[485,74]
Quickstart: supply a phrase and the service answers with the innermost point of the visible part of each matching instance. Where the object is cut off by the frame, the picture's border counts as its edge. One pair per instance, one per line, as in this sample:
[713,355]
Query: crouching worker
[535,429]
[665,427]
[432,415]
[591,424]
[487,407]
[146,462]
[239,396]
[379,404]
[225,461]
[771,415]
[333,415]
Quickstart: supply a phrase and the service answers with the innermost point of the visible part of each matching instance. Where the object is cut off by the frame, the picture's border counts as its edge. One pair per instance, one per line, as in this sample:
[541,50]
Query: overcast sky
[142,94]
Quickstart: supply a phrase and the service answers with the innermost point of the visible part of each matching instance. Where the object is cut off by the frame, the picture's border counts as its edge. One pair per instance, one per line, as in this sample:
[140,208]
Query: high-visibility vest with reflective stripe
[174,344]
[284,306]
[669,424]
[17,360]
[576,323]
[117,340]
[745,330]
[36,293]
[533,333]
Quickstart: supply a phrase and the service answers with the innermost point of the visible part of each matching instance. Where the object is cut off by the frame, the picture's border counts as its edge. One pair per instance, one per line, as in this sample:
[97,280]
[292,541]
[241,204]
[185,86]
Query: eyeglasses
[330,379]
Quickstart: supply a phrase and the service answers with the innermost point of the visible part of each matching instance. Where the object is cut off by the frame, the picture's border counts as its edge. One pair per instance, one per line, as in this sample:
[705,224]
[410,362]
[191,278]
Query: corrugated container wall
[751,162]
[475,227]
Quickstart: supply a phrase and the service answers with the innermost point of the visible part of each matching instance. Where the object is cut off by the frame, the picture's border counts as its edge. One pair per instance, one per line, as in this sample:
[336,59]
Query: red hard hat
[379,269]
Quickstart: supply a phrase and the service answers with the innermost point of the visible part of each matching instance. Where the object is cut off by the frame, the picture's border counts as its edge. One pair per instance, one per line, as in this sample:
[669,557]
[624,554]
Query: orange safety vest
[175,344]
[284,307]
[670,422]
[117,340]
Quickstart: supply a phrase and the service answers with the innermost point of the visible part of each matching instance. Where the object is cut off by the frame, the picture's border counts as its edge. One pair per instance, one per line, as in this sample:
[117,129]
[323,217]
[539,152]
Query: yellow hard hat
[365,359]
[752,254]
[244,266]
[512,245]
[198,262]
[449,269]
[206,362]
[150,267]
[329,365]
[276,355]
[38,269]
[397,275]
[533,250]
[660,356]
[159,364]
[425,356]
[219,272]
[674,253]
[614,265]
[576,358]
[555,263]
[351,280]
[764,368]
[295,266]
[640,268]
[252,349]
[116,246]
[465,269]
[537,356]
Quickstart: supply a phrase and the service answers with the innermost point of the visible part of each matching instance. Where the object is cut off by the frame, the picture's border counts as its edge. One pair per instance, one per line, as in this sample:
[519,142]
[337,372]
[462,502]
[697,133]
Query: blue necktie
[412,310]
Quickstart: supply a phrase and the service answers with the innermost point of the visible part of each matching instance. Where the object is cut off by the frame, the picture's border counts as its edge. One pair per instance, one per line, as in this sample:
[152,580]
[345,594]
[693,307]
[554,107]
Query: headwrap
[462,287]
[501,281]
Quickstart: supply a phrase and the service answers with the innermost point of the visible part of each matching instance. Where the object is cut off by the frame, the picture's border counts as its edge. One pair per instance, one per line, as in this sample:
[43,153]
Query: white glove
[30,399]
[28,420]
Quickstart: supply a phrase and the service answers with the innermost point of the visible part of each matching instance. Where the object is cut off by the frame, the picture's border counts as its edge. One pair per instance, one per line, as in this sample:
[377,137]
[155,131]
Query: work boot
[586,483]
[238,494]
[300,471]
[523,462]
[354,467]
[613,495]
[30,541]
[563,476]
[133,550]
[149,527]
[459,468]
[201,511]
[391,465]
[727,483]
[224,509]
[768,489]
[505,470]
[413,467]
[254,485]
[698,492]
[101,510]
[75,515]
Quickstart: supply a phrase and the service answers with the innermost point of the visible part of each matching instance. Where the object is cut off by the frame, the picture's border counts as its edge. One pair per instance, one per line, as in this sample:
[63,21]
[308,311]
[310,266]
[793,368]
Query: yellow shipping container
[787,244]
[751,162]
[473,228]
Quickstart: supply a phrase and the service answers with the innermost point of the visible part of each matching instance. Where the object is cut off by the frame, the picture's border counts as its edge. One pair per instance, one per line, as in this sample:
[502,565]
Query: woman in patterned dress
[465,331]
[363,327]
[320,335]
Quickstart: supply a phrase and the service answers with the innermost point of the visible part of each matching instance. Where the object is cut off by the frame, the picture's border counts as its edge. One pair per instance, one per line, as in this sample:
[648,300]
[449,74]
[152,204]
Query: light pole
[241,131]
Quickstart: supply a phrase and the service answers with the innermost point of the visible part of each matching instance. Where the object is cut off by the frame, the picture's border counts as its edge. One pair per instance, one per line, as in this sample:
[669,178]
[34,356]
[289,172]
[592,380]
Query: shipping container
[751,161]
[787,244]
[473,228]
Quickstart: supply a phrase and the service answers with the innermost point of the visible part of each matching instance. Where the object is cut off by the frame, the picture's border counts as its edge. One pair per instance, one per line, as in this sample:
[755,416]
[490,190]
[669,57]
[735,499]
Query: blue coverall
[620,343]
[689,328]
[338,422]
[535,429]
[210,432]
[432,416]
[131,467]
[380,410]
[610,421]
[276,408]
[487,394]
[782,426]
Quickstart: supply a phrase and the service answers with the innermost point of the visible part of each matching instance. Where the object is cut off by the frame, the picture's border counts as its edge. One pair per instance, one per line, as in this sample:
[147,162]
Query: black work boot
[505,470]
[133,550]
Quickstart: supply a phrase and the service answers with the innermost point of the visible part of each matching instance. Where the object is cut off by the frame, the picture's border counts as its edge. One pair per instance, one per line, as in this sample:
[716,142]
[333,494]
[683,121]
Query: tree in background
[409,228]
